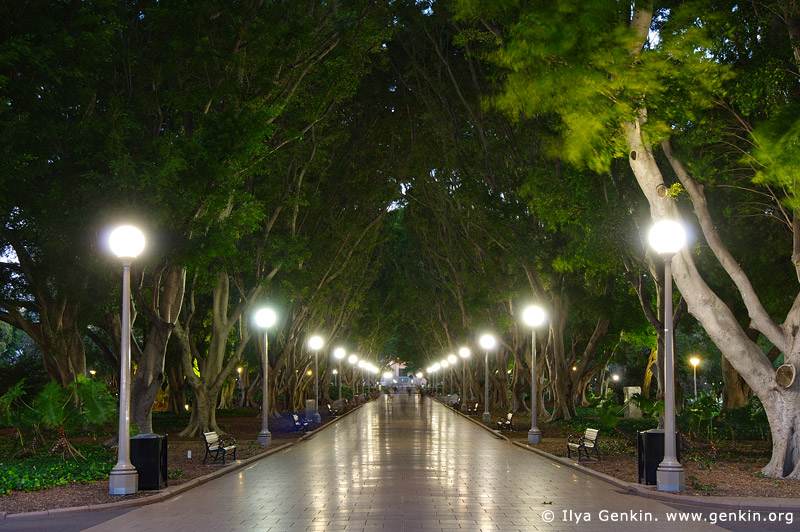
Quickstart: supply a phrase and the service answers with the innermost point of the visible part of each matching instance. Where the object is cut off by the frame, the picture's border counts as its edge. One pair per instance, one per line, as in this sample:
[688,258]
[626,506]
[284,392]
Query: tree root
[64,447]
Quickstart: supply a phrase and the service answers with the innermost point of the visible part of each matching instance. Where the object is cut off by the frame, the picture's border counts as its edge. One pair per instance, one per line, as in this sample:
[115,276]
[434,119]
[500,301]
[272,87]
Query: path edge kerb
[170,492]
[731,503]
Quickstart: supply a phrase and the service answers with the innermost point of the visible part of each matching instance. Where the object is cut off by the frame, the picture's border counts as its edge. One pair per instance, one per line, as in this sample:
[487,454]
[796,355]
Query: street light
[365,387]
[533,317]
[316,344]
[452,359]
[667,237]
[361,364]
[353,359]
[339,354]
[463,353]
[126,242]
[487,342]
[445,364]
[435,368]
[265,318]
[374,371]
[694,361]
[241,385]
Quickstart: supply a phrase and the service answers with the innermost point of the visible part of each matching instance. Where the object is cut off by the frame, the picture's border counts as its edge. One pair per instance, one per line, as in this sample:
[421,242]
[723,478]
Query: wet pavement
[402,463]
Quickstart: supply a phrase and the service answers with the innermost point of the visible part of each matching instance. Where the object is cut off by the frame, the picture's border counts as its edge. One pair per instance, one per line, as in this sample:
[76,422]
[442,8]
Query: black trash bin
[650,444]
[149,457]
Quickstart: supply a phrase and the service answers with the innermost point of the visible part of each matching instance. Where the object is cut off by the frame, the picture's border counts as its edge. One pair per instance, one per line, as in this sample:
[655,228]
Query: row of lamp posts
[666,237]
[266,318]
[127,242]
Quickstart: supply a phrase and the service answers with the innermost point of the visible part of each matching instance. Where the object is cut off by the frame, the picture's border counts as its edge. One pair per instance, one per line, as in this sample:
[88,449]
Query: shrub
[84,403]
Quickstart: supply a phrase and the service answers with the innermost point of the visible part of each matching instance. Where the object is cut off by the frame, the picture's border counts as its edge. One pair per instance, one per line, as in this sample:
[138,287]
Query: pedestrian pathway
[405,464]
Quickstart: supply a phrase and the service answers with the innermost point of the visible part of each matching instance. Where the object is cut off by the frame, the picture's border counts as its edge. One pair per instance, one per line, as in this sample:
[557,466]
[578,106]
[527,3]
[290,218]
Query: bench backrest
[211,437]
[591,434]
[510,415]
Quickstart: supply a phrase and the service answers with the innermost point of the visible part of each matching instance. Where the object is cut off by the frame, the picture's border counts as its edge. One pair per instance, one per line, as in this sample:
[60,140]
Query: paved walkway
[405,464]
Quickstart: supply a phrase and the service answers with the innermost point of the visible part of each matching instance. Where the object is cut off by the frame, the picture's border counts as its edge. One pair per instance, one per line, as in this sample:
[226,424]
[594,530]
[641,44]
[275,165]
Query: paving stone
[411,464]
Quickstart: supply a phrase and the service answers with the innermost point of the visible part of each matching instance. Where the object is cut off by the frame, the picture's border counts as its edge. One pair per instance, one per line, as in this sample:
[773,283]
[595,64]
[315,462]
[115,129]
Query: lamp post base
[316,418]
[487,417]
[264,438]
[534,436]
[671,478]
[123,480]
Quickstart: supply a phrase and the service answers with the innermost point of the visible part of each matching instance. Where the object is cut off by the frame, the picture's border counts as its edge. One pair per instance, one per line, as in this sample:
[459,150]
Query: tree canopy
[398,176]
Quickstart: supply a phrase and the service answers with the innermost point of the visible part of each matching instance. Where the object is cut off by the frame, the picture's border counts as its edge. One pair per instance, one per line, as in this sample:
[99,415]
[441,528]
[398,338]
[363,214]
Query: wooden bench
[300,423]
[473,411]
[217,447]
[506,424]
[584,444]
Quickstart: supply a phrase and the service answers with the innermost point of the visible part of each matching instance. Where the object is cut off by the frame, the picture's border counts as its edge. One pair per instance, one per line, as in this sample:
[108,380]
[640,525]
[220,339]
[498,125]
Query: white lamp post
[464,354]
[126,242]
[353,359]
[694,361]
[265,318]
[436,367]
[241,385]
[445,364]
[339,354]
[316,344]
[374,371]
[361,364]
[451,358]
[667,237]
[534,316]
[487,342]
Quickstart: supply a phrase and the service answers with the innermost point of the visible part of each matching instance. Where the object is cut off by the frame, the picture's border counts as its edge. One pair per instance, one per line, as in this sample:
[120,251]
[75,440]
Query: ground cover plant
[41,471]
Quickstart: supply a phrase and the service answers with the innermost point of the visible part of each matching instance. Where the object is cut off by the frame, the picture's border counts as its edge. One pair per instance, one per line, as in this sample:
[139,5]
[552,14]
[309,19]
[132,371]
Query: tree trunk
[204,412]
[782,406]
[253,389]
[63,354]
[651,368]
[226,395]
[735,391]
[218,362]
[166,305]
[176,389]
[57,332]
[783,411]
[561,383]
